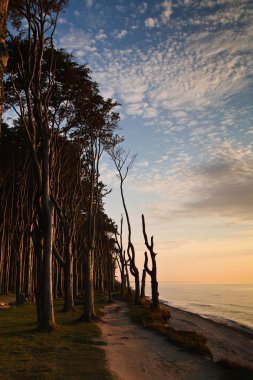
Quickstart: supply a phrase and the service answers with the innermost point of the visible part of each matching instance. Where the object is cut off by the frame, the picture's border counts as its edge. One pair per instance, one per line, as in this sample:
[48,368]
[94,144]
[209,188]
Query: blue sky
[183,74]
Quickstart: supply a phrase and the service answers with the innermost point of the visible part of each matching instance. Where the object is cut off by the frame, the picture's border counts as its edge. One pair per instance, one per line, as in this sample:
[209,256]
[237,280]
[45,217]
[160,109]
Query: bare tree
[120,257]
[153,272]
[143,277]
[120,158]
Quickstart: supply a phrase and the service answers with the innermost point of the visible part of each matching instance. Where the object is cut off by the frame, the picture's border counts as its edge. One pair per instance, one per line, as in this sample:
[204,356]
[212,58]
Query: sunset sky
[183,74]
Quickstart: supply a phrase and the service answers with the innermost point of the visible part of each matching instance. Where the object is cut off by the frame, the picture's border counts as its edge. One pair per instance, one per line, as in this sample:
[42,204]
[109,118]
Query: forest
[56,239]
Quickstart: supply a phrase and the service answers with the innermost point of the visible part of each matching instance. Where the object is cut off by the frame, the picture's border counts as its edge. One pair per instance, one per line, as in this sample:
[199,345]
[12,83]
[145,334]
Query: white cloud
[183,74]
[142,163]
[150,112]
[135,110]
[62,20]
[101,36]
[167,11]
[120,33]
[163,18]
[151,22]
[78,42]
[89,3]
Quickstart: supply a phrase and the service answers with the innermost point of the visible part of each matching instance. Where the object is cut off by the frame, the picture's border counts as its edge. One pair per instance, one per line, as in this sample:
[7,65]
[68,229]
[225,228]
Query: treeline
[55,237]
[21,241]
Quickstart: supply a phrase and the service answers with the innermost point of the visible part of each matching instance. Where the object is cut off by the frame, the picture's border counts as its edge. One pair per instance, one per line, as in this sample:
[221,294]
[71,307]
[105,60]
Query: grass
[70,352]
[158,321]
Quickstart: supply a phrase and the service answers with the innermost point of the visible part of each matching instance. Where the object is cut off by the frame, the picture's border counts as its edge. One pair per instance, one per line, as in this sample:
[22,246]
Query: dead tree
[153,272]
[121,258]
[120,158]
[143,278]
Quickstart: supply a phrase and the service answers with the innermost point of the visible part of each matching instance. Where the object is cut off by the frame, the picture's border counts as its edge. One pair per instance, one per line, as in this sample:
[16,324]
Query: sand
[135,353]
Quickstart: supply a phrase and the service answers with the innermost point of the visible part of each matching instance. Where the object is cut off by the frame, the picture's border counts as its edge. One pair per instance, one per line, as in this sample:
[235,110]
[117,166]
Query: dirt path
[134,353]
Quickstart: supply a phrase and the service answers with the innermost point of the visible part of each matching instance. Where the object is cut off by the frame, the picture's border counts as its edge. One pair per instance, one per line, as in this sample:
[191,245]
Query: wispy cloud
[184,87]
[220,187]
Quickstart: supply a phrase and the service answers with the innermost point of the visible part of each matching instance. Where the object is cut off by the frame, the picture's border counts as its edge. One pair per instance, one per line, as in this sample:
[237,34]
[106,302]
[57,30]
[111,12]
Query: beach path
[135,353]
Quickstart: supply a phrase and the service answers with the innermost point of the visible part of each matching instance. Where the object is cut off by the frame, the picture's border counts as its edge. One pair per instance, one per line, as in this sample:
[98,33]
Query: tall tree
[40,18]
[119,157]
[3,50]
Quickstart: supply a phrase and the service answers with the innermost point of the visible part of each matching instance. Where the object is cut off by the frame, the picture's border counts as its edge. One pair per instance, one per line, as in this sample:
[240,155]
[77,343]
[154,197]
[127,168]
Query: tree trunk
[19,270]
[39,278]
[143,279]
[89,309]
[143,283]
[75,278]
[128,281]
[68,280]
[109,278]
[29,268]
[153,272]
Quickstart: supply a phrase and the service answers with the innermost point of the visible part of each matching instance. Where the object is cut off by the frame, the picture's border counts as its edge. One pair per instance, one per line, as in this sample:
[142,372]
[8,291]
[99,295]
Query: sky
[182,72]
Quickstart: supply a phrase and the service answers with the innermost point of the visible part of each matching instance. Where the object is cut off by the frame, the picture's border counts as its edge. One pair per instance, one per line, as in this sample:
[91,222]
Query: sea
[225,303]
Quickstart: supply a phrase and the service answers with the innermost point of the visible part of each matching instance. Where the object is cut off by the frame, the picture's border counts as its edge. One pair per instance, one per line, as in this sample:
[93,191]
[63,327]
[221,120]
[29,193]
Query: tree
[92,123]
[16,213]
[3,50]
[121,259]
[119,157]
[41,19]
[152,272]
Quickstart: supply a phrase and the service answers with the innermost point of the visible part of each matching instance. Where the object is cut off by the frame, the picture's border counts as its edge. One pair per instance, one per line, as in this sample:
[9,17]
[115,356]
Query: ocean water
[230,304]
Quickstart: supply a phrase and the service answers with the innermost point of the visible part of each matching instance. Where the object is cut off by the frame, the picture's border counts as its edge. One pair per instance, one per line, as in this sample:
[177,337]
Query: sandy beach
[137,353]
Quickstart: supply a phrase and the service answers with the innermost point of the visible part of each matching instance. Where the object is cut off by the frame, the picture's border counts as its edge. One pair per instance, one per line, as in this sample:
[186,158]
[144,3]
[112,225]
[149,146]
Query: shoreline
[135,352]
[227,343]
[240,328]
